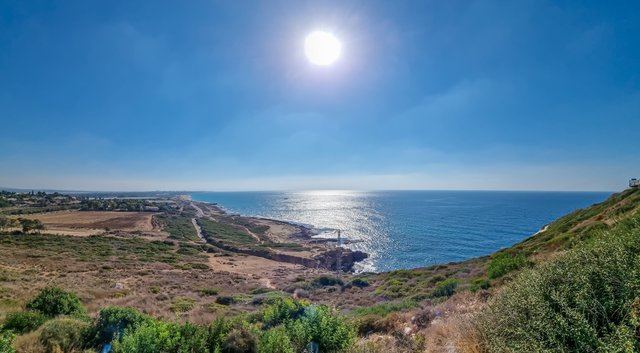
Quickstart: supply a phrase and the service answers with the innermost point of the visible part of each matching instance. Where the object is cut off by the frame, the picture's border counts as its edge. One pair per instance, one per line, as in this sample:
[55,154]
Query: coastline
[274,239]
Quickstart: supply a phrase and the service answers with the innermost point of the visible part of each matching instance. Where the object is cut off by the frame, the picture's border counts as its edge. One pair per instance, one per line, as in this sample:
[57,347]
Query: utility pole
[339,262]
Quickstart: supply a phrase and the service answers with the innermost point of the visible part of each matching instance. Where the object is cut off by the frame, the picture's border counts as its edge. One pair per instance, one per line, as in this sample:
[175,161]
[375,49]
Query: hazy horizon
[326,190]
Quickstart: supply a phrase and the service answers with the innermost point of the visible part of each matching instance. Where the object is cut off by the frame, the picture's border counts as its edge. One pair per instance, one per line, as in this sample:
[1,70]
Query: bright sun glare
[322,48]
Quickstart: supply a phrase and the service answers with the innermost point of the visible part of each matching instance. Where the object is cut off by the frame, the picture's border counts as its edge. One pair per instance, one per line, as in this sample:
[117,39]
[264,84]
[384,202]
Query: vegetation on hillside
[586,300]
[574,286]
[285,326]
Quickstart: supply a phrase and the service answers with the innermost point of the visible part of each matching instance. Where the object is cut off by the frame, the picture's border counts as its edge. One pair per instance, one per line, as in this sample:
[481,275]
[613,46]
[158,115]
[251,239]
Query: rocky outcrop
[339,258]
[329,260]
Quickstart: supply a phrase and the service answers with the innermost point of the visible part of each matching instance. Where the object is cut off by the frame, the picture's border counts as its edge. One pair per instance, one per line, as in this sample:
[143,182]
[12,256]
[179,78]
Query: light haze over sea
[408,229]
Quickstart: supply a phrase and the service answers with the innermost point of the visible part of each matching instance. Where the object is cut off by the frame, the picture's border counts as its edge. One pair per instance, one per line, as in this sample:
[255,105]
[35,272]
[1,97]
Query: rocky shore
[277,240]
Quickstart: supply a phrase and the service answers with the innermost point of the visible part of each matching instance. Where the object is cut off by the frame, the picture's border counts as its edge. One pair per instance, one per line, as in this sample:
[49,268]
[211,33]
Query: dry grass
[149,276]
[453,330]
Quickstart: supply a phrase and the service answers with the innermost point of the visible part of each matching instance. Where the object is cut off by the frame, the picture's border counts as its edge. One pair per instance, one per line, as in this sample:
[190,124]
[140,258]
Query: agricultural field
[95,222]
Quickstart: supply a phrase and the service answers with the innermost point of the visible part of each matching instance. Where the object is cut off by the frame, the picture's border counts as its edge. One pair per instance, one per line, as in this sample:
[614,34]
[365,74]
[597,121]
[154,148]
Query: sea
[409,229]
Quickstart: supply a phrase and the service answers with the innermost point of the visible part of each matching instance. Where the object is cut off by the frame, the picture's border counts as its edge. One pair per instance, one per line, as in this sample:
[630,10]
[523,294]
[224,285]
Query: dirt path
[252,234]
[199,211]
[198,229]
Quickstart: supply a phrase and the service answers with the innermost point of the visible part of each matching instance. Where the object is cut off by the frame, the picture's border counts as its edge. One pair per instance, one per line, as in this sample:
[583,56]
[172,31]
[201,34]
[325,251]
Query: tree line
[28,225]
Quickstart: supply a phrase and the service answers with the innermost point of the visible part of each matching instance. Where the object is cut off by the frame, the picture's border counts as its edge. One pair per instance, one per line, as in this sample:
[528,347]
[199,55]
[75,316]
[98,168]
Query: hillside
[478,273]
[167,273]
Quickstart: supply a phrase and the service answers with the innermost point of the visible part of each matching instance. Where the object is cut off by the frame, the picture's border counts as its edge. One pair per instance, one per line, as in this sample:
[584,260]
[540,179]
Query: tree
[54,301]
[29,225]
[6,222]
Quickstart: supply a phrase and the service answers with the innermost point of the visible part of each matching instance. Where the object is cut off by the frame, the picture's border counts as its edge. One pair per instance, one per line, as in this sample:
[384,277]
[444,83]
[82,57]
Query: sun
[322,48]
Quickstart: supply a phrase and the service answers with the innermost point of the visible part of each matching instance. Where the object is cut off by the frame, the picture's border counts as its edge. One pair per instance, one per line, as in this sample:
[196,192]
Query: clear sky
[218,95]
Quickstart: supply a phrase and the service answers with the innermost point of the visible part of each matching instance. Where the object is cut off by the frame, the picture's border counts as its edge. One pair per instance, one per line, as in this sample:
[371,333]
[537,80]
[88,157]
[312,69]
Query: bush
[241,339]
[445,288]
[114,320]
[148,337]
[183,305]
[24,321]
[64,334]
[155,336]
[329,330]
[297,334]
[480,283]
[53,301]
[360,282]
[503,263]
[193,338]
[209,291]
[6,341]
[385,308]
[583,301]
[324,281]
[275,341]
[369,324]
[225,300]
[218,331]
[283,309]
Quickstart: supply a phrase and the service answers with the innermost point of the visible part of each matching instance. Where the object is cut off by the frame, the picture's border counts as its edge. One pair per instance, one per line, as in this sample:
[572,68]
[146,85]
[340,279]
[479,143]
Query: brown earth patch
[92,222]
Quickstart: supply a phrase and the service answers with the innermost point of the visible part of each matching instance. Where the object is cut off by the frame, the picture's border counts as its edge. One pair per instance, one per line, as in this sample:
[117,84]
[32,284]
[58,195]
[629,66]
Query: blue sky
[218,95]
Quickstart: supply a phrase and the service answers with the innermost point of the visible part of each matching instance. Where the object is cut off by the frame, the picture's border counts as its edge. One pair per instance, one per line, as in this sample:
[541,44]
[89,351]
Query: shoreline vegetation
[170,274]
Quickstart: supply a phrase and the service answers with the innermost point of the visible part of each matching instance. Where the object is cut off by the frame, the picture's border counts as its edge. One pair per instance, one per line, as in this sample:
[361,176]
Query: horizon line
[13,189]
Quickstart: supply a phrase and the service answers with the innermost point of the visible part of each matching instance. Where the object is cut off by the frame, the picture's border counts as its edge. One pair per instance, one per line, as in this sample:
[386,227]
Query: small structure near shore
[634,183]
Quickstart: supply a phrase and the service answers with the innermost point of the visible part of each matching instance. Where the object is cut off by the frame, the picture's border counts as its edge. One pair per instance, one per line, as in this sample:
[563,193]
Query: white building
[634,183]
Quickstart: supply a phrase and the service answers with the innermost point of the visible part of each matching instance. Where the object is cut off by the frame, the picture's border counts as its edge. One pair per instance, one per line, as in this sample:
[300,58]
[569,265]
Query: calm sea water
[408,229]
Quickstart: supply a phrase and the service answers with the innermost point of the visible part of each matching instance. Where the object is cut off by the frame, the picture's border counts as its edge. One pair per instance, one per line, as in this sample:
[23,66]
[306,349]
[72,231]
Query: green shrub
[324,281]
[225,300]
[385,309]
[331,331]
[148,337]
[297,334]
[209,291]
[241,339]
[113,320]
[283,309]
[445,288]
[480,283]
[53,301]
[24,321]
[193,338]
[182,305]
[583,301]
[275,341]
[155,336]
[218,331]
[6,342]
[360,282]
[64,334]
[503,263]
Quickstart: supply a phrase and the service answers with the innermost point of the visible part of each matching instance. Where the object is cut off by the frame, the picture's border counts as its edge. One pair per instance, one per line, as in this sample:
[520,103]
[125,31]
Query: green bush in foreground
[330,331]
[157,336]
[6,341]
[24,321]
[283,309]
[584,301]
[64,334]
[275,341]
[54,301]
[113,320]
